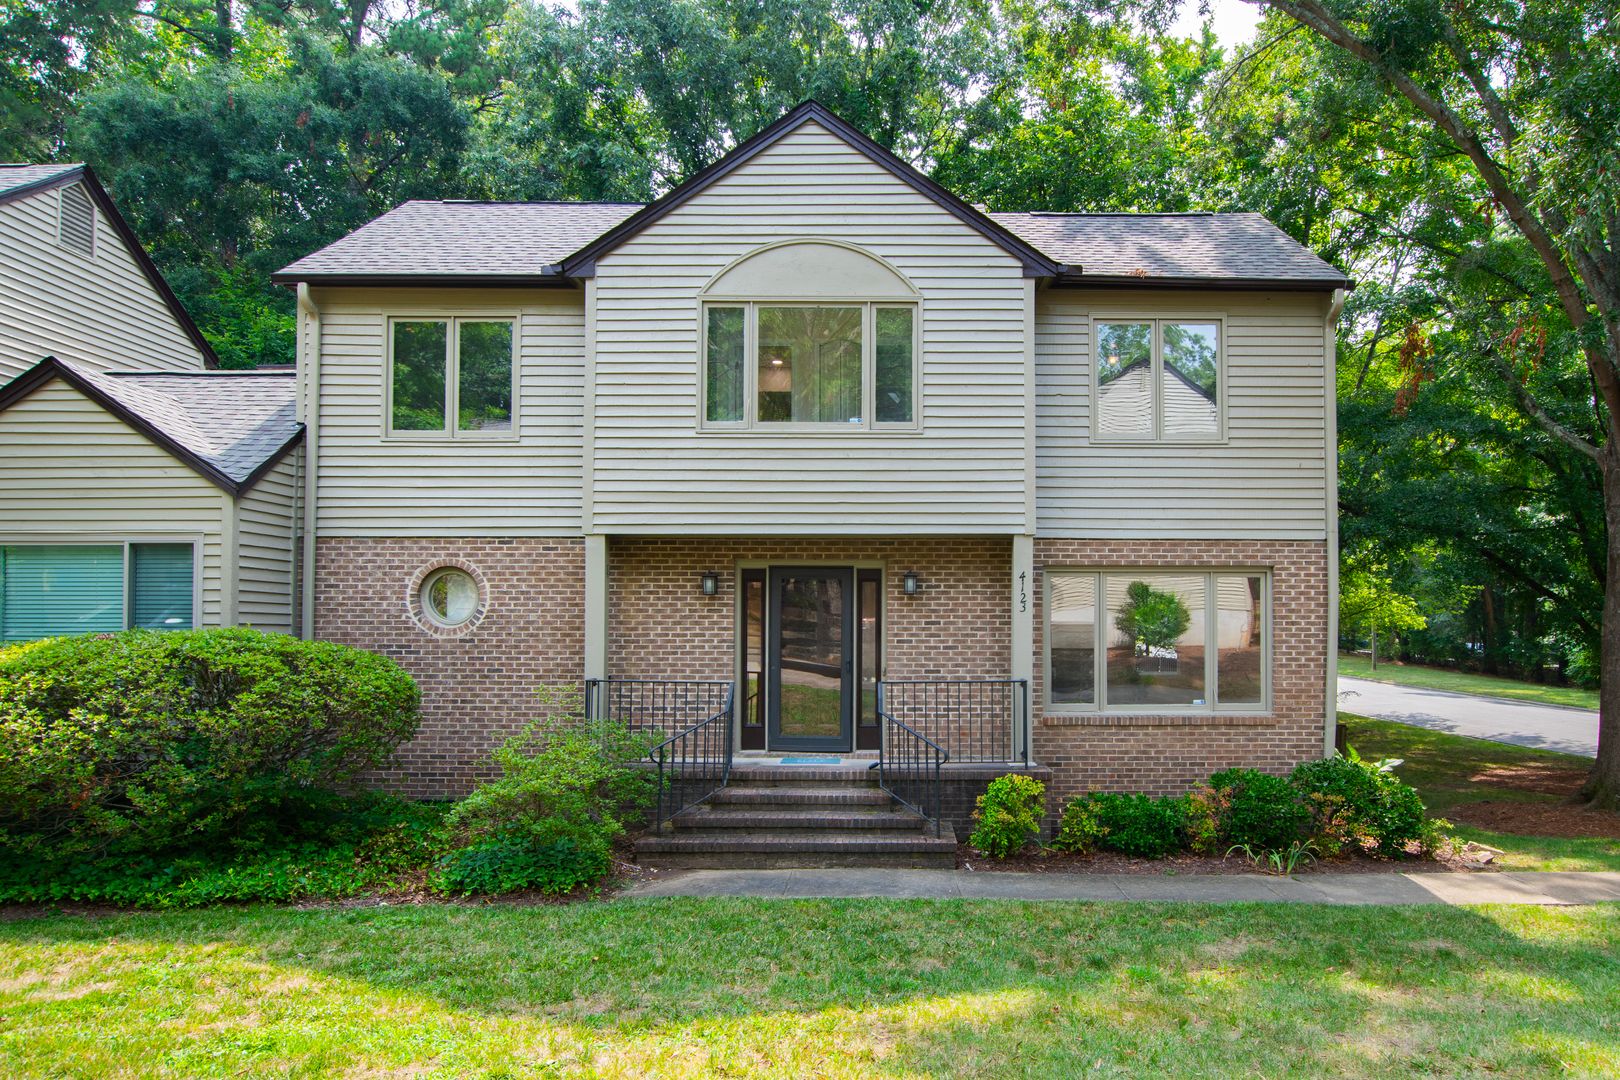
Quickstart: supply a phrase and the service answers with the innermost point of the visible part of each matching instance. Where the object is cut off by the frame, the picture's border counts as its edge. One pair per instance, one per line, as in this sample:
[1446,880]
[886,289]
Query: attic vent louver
[77,228]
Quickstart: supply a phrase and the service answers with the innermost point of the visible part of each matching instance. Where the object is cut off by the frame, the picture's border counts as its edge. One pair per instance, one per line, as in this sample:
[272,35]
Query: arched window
[809,333]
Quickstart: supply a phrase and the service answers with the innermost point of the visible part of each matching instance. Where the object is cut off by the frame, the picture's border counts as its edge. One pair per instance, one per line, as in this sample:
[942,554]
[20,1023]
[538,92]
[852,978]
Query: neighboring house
[147,499]
[810,423]
[76,284]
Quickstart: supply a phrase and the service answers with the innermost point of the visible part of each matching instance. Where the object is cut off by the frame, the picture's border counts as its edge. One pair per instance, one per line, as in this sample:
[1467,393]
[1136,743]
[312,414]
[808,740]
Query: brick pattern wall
[1168,754]
[660,624]
[478,687]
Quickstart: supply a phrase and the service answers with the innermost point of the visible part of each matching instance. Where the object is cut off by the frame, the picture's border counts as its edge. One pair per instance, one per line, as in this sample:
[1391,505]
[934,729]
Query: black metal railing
[909,764]
[694,716]
[975,720]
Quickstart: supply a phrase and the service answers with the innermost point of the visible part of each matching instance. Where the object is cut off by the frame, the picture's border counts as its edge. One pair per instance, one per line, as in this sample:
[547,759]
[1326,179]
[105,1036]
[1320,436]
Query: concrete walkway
[1434,888]
[1523,723]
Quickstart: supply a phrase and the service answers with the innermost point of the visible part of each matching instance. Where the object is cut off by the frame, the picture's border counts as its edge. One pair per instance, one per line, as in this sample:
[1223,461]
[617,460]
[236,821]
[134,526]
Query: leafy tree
[1369,601]
[1152,618]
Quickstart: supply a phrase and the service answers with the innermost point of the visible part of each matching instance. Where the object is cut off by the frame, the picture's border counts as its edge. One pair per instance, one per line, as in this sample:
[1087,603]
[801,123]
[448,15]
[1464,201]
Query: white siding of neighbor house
[70,471]
[266,535]
[372,485]
[100,310]
[962,471]
[1266,480]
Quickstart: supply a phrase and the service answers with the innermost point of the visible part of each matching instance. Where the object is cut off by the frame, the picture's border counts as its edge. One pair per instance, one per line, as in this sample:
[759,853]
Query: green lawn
[1462,683]
[1442,768]
[814,988]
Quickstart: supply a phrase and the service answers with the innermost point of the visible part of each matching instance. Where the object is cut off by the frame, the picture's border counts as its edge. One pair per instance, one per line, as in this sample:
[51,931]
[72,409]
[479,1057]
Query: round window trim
[447,598]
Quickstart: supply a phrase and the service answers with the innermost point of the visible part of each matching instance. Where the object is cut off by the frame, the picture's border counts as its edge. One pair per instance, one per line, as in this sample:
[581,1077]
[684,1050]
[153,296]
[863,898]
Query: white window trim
[125,540]
[751,422]
[1100,706]
[452,376]
[1156,377]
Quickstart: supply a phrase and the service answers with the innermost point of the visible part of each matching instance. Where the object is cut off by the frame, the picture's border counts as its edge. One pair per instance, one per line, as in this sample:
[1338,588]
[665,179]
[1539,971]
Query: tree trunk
[1375,649]
[1603,787]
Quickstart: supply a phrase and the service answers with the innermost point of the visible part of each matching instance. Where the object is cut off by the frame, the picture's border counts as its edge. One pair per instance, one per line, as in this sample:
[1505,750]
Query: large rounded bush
[1354,800]
[146,740]
[1260,810]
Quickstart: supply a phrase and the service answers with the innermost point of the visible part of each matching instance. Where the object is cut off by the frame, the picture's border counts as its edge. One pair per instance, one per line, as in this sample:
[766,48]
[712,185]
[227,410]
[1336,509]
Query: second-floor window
[450,376]
[1158,379]
[812,364]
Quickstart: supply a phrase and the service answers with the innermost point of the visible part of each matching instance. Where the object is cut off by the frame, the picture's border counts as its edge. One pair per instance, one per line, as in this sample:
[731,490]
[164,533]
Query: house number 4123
[1023,593]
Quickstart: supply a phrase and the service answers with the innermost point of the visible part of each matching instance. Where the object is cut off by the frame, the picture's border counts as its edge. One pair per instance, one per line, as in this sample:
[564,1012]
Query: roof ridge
[283,370]
[529,202]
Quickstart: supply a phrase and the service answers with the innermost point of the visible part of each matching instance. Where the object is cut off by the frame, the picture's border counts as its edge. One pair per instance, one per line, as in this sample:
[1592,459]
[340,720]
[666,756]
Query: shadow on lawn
[917,986]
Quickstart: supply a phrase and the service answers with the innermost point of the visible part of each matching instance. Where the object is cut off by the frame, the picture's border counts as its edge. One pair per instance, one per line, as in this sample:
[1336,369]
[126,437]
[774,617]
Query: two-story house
[139,485]
[902,476]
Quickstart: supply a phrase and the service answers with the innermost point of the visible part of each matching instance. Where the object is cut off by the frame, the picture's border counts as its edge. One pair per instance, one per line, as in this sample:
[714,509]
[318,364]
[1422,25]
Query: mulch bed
[1538,777]
[1557,819]
[1109,862]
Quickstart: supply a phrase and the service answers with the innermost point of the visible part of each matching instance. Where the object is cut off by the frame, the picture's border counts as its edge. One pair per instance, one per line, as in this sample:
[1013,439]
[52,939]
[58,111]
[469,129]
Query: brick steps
[774,817]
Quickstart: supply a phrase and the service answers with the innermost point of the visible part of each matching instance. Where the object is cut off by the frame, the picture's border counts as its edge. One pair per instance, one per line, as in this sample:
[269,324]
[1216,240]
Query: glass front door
[810,662]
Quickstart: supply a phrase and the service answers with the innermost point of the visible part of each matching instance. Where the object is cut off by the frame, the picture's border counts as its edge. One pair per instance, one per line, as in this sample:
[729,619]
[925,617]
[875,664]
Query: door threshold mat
[817,760]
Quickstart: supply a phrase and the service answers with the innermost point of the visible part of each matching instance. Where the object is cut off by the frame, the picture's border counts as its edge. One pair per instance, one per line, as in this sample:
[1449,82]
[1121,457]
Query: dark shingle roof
[13,176]
[1195,248]
[461,239]
[228,425]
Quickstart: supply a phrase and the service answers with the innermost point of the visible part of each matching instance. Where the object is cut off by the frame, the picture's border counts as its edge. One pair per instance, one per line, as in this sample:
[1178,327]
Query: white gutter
[1330,356]
[309,405]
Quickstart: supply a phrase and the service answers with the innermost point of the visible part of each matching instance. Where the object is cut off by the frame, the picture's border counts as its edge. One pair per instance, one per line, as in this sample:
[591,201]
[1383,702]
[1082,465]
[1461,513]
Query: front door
[810,659]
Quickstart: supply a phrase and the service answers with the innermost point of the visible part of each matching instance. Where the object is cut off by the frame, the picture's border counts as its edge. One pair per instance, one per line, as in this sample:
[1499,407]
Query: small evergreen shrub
[1080,830]
[1260,810]
[1204,809]
[1140,825]
[1009,815]
[566,790]
[1356,801]
[147,741]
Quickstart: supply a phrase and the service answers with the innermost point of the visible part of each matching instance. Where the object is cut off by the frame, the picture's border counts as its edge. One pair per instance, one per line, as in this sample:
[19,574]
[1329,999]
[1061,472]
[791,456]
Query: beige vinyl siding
[370,484]
[1266,480]
[71,471]
[266,536]
[961,472]
[99,310]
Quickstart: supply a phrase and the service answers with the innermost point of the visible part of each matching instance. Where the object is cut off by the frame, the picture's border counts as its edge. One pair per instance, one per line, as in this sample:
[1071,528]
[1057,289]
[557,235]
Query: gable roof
[1175,249]
[461,243]
[230,426]
[21,181]
[582,263]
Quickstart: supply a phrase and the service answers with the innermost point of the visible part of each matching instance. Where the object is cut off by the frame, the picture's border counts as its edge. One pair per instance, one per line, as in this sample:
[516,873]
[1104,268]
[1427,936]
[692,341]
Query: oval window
[449,596]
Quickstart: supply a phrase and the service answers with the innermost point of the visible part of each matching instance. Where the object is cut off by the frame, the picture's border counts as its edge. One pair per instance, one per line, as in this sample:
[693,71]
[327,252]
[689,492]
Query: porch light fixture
[910,584]
[711,583]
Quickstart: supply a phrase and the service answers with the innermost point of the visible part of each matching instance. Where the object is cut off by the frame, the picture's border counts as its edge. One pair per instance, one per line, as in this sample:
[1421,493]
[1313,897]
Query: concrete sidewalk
[1422,888]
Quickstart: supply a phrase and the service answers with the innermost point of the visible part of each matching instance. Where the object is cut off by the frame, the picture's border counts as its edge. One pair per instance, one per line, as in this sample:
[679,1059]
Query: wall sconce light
[711,583]
[910,584]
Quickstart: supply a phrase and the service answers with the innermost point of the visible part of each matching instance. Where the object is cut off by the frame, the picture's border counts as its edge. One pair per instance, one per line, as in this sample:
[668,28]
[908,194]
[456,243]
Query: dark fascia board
[543,280]
[1130,281]
[131,242]
[582,264]
[51,368]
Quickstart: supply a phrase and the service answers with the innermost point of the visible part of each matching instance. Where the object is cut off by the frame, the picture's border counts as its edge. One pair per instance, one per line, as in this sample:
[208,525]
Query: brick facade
[1168,754]
[478,686]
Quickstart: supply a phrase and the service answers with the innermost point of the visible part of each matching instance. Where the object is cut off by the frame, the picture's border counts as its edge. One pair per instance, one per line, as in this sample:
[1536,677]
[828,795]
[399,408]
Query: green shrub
[142,742]
[1260,810]
[1009,815]
[1356,801]
[333,847]
[513,863]
[1139,825]
[1079,830]
[1204,808]
[566,790]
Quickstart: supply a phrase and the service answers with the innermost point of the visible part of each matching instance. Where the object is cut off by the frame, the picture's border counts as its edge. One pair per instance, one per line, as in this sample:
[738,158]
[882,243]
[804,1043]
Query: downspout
[1330,358]
[309,403]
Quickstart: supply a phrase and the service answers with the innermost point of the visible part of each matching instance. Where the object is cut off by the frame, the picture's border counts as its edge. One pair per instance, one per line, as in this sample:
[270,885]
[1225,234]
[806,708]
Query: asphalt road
[1523,723]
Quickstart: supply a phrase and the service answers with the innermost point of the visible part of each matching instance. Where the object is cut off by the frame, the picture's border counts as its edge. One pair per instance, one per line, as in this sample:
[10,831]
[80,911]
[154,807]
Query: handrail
[910,765]
[981,718]
[688,761]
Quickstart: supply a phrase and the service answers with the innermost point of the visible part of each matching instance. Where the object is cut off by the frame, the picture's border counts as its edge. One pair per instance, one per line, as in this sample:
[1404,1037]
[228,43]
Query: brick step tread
[733,817]
[804,774]
[800,795]
[794,840]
